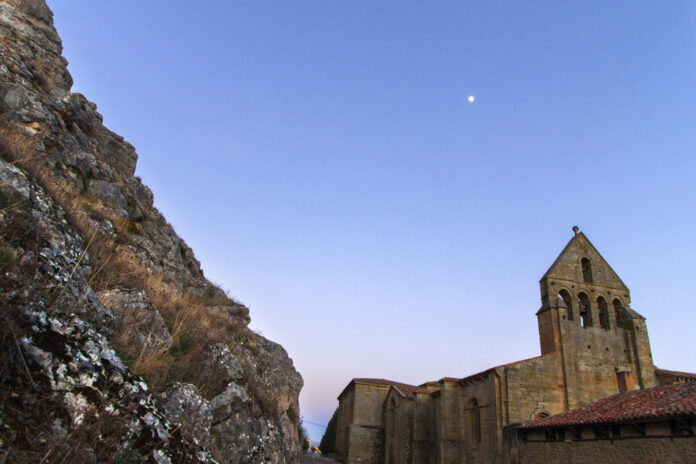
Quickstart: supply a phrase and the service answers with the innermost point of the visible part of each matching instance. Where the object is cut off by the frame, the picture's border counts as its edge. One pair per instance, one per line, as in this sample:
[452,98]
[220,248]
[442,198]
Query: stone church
[593,345]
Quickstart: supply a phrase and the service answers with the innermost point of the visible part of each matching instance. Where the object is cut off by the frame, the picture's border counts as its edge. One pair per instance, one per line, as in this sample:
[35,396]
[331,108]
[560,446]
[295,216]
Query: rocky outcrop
[184,406]
[132,308]
[99,290]
[57,361]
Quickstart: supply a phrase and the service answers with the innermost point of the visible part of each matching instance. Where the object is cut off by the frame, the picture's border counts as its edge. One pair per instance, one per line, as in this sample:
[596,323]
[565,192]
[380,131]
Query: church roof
[409,391]
[383,382]
[686,375]
[377,381]
[639,405]
[514,363]
[491,369]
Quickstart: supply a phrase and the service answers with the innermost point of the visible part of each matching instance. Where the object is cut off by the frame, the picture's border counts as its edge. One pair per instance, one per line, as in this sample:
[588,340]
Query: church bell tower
[586,320]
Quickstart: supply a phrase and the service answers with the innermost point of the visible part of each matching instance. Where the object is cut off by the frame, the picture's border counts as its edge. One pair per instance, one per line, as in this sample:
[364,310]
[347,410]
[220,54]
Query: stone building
[593,345]
[653,425]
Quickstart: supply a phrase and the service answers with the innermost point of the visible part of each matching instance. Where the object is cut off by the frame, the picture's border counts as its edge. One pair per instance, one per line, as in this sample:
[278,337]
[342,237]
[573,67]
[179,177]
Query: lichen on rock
[98,289]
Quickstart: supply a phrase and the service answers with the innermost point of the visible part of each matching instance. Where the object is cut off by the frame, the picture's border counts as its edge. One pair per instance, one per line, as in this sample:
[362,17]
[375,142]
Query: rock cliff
[115,347]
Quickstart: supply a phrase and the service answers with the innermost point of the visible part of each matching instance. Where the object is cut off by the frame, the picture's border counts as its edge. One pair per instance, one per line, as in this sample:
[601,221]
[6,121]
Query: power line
[319,425]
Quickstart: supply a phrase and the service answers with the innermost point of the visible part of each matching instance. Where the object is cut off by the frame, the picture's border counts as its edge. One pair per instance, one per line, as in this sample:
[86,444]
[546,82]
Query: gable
[567,265]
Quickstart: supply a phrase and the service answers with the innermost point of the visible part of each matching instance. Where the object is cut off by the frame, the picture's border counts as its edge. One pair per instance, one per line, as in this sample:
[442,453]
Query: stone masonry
[593,345]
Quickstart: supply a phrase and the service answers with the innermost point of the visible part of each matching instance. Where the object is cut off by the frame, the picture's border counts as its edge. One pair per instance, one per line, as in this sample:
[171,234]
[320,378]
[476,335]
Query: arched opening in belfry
[475,421]
[603,312]
[585,312]
[564,297]
[618,310]
[586,270]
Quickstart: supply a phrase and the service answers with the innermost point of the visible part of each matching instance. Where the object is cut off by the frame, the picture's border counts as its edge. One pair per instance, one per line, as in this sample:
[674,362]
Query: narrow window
[475,421]
[603,313]
[586,270]
[564,296]
[617,311]
[625,381]
[585,313]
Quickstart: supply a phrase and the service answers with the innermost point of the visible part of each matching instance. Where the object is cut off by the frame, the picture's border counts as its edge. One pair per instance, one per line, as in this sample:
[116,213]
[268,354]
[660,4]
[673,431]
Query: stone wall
[398,427]
[360,431]
[586,355]
[478,446]
[532,387]
[365,445]
[627,451]
[424,429]
[594,354]
[448,437]
[344,419]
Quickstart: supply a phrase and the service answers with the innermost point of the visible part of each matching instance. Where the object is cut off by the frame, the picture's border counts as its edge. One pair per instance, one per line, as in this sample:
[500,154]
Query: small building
[653,425]
[593,345]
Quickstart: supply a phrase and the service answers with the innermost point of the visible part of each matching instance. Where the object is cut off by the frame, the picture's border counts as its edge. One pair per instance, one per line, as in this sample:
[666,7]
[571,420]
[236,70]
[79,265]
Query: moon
[471,99]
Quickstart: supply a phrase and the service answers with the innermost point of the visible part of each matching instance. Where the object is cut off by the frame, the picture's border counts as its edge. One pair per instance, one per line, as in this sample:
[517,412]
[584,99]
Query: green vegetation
[328,441]
[7,255]
[302,437]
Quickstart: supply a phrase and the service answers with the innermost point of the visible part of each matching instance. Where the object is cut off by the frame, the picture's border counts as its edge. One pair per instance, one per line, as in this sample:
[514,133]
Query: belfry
[593,346]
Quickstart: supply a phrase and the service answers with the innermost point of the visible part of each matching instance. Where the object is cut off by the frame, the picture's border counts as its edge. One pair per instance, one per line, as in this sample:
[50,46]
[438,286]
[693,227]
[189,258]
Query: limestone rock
[57,360]
[108,192]
[56,251]
[147,332]
[237,312]
[184,407]
[241,434]
[219,365]
[73,218]
[275,378]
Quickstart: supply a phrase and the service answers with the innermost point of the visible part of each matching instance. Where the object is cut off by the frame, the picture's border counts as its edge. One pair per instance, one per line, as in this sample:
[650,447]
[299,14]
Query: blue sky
[322,160]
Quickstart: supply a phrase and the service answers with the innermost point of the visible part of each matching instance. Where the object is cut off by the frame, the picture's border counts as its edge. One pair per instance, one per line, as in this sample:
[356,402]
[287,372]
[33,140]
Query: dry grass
[16,144]
[192,325]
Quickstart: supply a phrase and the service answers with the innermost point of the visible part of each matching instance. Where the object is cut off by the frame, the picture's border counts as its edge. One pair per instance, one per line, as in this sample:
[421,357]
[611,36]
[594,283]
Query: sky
[323,161]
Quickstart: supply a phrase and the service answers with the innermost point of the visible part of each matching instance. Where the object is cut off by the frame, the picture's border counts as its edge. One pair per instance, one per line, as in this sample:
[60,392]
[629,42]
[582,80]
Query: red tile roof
[639,405]
[514,363]
[409,391]
[378,381]
[384,382]
[404,387]
[677,373]
[473,376]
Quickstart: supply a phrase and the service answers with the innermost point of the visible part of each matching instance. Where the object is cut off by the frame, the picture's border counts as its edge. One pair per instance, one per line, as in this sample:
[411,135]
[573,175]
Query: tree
[328,441]
[302,436]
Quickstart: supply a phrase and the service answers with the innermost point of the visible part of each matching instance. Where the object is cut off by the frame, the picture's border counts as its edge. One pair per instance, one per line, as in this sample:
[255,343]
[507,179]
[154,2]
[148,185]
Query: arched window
[541,415]
[564,296]
[475,421]
[586,270]
[618,311]
[603,311]
[585,313]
